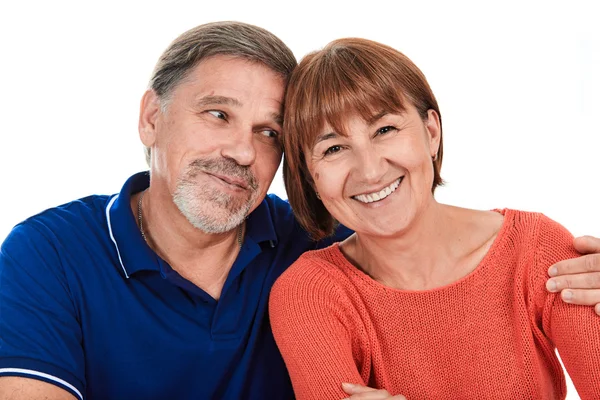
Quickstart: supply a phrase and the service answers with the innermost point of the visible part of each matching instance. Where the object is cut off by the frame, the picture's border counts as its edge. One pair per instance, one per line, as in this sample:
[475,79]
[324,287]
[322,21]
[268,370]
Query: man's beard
[205,206]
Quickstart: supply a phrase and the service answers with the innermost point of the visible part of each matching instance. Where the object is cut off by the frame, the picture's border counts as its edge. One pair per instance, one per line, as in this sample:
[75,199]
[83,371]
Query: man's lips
[232,180]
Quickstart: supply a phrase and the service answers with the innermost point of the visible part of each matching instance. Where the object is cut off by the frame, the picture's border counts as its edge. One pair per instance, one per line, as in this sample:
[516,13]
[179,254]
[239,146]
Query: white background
[518,85]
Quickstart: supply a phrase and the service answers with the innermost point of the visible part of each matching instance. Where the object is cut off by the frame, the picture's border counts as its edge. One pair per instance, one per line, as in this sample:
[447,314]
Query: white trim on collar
[108,207]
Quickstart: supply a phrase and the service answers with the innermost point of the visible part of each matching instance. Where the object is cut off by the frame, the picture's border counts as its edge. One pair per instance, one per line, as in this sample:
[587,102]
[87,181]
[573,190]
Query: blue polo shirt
[86,305]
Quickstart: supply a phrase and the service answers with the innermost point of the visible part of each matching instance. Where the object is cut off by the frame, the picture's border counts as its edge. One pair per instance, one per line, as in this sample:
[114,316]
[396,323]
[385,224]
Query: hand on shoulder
[578,279]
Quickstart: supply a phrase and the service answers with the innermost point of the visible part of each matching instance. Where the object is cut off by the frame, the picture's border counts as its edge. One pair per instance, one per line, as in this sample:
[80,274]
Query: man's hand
[357,392]
[578,279]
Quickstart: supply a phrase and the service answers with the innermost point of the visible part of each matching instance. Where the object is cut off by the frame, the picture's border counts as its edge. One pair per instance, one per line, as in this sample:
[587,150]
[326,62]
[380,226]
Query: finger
[377,394]
[597,308]
[352,388]
[589,280]
[359,392]
[587,244]
[588,263]
[584,297]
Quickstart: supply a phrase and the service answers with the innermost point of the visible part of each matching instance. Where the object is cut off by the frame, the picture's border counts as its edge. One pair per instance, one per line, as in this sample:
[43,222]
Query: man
[161,291]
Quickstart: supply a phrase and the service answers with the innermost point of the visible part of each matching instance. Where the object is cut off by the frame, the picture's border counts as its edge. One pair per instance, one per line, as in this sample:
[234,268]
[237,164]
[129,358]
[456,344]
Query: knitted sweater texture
[490,335]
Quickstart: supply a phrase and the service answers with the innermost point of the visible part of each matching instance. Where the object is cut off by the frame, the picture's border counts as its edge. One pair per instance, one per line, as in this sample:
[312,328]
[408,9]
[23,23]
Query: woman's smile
[379,195]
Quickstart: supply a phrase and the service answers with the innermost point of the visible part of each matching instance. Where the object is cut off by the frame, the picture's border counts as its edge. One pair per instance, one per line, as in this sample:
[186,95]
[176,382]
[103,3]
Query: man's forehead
[229,68]
[235,81]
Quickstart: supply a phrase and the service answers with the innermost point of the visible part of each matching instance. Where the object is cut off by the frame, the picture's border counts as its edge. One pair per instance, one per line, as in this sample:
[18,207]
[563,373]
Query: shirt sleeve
[40,334]
[312,327]
[574,329]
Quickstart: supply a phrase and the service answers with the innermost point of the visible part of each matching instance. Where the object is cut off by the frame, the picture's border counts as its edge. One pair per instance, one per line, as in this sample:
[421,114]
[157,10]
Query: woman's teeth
[382,194]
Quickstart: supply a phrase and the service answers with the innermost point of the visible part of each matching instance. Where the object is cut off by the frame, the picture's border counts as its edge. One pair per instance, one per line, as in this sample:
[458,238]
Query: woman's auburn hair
[347,77]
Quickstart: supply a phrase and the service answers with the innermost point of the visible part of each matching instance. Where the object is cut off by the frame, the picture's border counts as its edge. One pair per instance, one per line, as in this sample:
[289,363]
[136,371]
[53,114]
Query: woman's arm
[314,329]
[574,329]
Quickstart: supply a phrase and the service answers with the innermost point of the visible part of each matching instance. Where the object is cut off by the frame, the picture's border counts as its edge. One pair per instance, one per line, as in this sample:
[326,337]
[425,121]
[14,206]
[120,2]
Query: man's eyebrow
[278,118]
[218,100]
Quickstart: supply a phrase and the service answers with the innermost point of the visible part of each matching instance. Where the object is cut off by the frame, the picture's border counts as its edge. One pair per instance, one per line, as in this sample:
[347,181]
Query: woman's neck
[442,245]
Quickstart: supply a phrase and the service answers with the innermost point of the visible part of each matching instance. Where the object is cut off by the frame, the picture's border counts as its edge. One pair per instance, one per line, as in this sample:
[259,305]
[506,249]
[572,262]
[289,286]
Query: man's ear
[434,131]
[149,112]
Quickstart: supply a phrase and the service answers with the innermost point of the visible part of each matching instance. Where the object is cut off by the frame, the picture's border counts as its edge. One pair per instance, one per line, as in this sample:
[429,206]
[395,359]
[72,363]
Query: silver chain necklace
[240,230]
[140,221]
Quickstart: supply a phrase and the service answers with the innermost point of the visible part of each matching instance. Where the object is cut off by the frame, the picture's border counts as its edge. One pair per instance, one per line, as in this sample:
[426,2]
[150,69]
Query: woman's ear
[434,132]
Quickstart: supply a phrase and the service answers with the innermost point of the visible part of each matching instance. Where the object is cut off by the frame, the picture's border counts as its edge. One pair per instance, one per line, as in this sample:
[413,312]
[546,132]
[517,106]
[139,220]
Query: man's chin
[216,222]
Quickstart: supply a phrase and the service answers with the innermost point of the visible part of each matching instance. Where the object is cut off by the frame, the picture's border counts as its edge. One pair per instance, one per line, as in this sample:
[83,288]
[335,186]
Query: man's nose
[240,148]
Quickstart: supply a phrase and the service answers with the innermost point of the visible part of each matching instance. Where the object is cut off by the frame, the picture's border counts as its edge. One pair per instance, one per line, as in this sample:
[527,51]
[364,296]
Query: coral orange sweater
[490,335]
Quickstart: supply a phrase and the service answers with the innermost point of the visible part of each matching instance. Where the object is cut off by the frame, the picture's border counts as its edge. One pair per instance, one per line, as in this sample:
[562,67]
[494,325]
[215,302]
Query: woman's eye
[332,150]
[218,114]
[384,130]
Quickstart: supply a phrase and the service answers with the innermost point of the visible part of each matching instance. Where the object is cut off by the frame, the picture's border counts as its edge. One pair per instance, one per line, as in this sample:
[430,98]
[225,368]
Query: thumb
[587,244]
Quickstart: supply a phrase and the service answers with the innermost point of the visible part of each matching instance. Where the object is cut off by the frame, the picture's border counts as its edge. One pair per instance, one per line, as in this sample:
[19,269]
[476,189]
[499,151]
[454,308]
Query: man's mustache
[224,166]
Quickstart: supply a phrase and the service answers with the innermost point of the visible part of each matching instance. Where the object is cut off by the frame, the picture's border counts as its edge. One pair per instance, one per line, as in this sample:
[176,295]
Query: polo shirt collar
[133,251]
[259,225]
[134,254]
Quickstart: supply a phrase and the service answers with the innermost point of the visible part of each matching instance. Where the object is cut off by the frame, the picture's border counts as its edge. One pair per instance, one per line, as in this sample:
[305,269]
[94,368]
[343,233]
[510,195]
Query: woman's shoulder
[312,288]
[534,228]
[538,242]
[529,241]
[551,240]
[312,270]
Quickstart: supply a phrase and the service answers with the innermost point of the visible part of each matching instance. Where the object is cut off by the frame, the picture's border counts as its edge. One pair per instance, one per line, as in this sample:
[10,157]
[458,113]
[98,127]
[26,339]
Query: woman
[425,299]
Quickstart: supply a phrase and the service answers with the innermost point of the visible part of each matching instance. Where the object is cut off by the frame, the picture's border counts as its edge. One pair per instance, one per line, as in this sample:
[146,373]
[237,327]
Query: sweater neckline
[507,224]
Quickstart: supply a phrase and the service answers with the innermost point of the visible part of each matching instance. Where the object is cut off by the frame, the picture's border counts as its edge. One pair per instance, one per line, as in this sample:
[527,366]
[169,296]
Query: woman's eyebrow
[324,136]
[376,117]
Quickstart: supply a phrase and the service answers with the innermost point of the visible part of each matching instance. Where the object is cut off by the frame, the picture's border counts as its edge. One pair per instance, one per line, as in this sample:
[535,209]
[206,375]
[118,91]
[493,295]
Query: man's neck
[202,258]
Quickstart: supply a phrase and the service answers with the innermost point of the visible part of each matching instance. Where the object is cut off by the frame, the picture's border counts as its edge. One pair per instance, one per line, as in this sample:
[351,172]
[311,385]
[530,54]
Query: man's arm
[578,279]
[17,388]
[40,333]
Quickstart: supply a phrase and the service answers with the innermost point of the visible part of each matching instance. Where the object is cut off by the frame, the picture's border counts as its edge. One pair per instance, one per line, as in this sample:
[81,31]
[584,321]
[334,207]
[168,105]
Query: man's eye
[218,114]
[384,130]
[332,150]
[270,133]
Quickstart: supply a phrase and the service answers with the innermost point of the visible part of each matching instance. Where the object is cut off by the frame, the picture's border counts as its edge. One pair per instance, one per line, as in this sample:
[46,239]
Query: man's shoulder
[284,220]
[60,226]
[279,208]
[76,213]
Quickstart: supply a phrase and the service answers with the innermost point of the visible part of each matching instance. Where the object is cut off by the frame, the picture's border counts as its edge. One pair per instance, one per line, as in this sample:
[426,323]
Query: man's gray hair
[231,38]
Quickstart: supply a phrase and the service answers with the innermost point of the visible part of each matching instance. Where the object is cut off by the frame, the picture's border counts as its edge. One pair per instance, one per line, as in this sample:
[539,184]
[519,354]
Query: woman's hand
[578,279]
[359,392]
